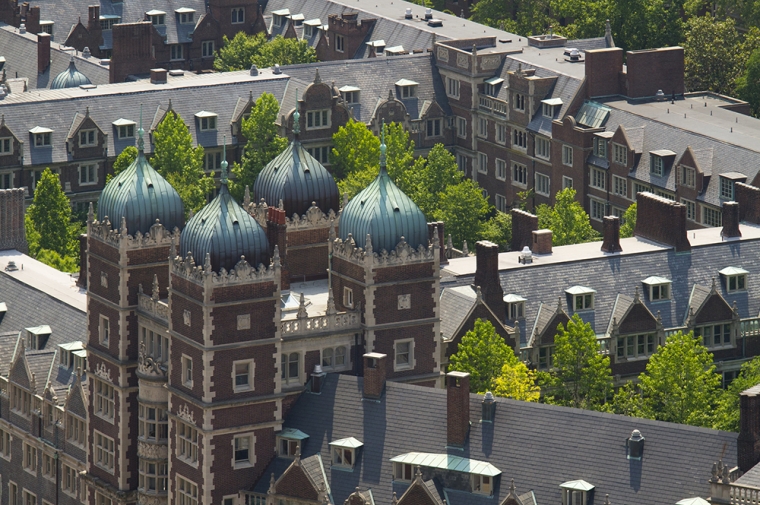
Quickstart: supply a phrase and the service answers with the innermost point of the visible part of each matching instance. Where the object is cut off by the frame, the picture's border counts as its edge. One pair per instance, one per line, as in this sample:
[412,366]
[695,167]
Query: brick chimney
[32,20]
[603,70]
[487,275]
[441,245]
[662,220]
[158,76]
[542,242]
[43,52]
[649,71]
[611,241]
[748,198]
[277,236]
[523,226]
[317,379]
[748,442]
[730,220]
[374,375]
[457,408]
[12,231]
[93,21]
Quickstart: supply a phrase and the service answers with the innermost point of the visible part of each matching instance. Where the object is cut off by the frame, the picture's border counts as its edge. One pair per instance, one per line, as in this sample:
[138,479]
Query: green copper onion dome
[225,231]
[141,195]
[384,212]
[297,179]
[70,78]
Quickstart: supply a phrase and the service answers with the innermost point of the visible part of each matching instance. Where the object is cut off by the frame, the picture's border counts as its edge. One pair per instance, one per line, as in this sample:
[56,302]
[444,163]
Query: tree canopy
[245,50]
[580,375]
[628,223]
[123,160]
[748,85]
[263,143]
[567,220]
[175,158]
[355,149]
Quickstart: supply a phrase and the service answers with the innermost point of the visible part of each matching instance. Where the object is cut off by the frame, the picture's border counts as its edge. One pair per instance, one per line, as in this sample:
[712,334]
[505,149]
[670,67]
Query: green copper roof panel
[298,179]
[448,462]
[592,115]
[293,434]
[70,78]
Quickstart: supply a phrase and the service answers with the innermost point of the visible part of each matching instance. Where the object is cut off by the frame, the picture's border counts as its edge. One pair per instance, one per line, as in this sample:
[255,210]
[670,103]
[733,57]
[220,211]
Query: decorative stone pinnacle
[383,148]
[247,197]
[140,132]
[512,487]
[90,214]
[207,262]
[155,294]
[302,314]
[297,118]
[224,160]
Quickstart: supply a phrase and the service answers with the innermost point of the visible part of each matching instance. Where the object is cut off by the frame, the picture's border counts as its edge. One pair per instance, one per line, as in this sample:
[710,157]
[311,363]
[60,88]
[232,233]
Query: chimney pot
[523,226]
[317,379]
[489,408]
[611,243]
[158,76]
[458,408]
[374,375]
[542,241]
[43,52]
[487,275]
[635,445]
[730,216]
[662,220]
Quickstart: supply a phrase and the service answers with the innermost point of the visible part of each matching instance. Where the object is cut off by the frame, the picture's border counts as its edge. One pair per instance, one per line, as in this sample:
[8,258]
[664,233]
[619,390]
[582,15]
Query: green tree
[463,208]
[123,160]
[498,230]
[581,375]
[679,384]
[175,158]
[638,24]
[482,353]
[245,50]
[567,220]
[748,85]
[727,413]
[628,223]
[516,381]
[263,144]
[712,55]
[355,148]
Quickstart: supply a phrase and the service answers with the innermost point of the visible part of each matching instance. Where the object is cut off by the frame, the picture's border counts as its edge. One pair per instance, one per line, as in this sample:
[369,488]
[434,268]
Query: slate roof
[455,305]
[524,437]
[20,52]
[611,275]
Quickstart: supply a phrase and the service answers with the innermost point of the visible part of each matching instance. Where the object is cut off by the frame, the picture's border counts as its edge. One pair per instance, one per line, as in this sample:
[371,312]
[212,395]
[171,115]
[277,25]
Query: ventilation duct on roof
[489,406]
[635,445]
[408,14]
[428,14]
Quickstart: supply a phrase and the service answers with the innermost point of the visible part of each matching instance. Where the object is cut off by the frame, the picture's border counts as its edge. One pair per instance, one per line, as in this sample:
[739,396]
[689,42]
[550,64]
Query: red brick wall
[179,305]
[603,67]
[424,348]
[224,322]
[386,302]
[651,70]
[244,415]
[263,357]
[178,348]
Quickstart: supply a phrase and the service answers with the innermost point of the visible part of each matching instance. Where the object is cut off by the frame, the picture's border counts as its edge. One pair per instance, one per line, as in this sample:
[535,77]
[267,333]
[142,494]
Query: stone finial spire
[512,487]
[271,484]
[636,296]
[317,78]
[302,314]
[297,118]
[383,149]
[247,197]
[465,250]
[140,132]
[368,244]
[224,160]
[90,214]
[172,249]
[156,289]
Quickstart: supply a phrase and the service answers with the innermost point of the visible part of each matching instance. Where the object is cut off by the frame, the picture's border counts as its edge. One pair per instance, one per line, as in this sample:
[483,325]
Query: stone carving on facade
[152,305]
[402,254]
[463,60]
[319,324]
[156,236]
[186,414]
[242,273]
[314,217]
[152,451]
[146,365]
[443,54]
[152,499]
[490,62]
[102,371]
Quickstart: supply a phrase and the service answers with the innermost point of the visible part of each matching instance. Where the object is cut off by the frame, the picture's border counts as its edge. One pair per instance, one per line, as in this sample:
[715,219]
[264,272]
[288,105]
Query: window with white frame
[518,101]
[545,357]
[126,131]
[186,17]
[567,182]
[316,119]
[403,351]
[68,479]
[29,498]
[619,154]
[687,176]
[452,87]
[636,346]
[548,110]
[238,15]
[187,492]
[582,297]
[482,127]
[340,43]
[13,492]
[320,153]
[501,133]
[6,146]
[101,499]
[242,446]
[75,430]
[567,155]
[736,279]
[726,188]
[597,209]
[291,367]
[519,138]
[104,451]
[482,163]
[714,334]
[461,127]
[516,310]
[6,180]
[665,194]
[207,49]
[691,209]
[187,442]
[334,358]
[519,174]
[105,330]
[433,127]
[543,186]
[348,297]
[501,169]
[403,471]
[87,138]
[350,96]
[656,165]
[21,400]
[176,52]
[598,178]
[156,344]
[620,186]
[343,457]
[461,162]
[639,188]
[88,174]
[482,484]
[153,423]
[30,457]
[107,23]
[104,398]
[187,371]
[158,19]
[5,444]
[46,27]
[543,148]
[207,122]
[243,375]
[600,147]
[501,202]
[711,217]
[658,288]
[408,91]
[288,447]
[42,139]
[153,476]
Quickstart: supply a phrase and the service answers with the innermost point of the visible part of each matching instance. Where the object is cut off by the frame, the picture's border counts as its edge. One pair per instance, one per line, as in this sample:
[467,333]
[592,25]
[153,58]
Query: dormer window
[41,136]
[350,94]
[107,22]
[727,182]
[575,492]
[582,297]
[158,18]
[311,26]
[551,106]
[658,287]
[735,277]
[407,88]
[289,442]
[297,19]
[46,26]
[87,138]
[238,16]
[6,146]
[344,452]
[515,306]
[66,352]
[206,120]
[394,51]
[600,144]
[38,337]
[278,17]
[80,359]
[492,85]
[657,165]
[379,46]
[658,161]
[125,129]
[482,484]
[186,15]
[316,119]
[403,471]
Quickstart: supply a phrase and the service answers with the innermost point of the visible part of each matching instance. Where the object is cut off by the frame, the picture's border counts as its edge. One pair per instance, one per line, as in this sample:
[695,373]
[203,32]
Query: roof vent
[575,55]
[526,257]
[659,96]
[22,28]
[177,72]
[435,23]
[635,445]
[428,14]
[489,406]
[277,70]
[86,52]
[408,14]
[317,378]
[254,70]
[11,266]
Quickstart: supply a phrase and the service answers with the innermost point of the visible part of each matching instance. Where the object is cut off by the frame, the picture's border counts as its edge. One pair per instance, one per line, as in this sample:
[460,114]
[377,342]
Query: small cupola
[70,78]
[635,444]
